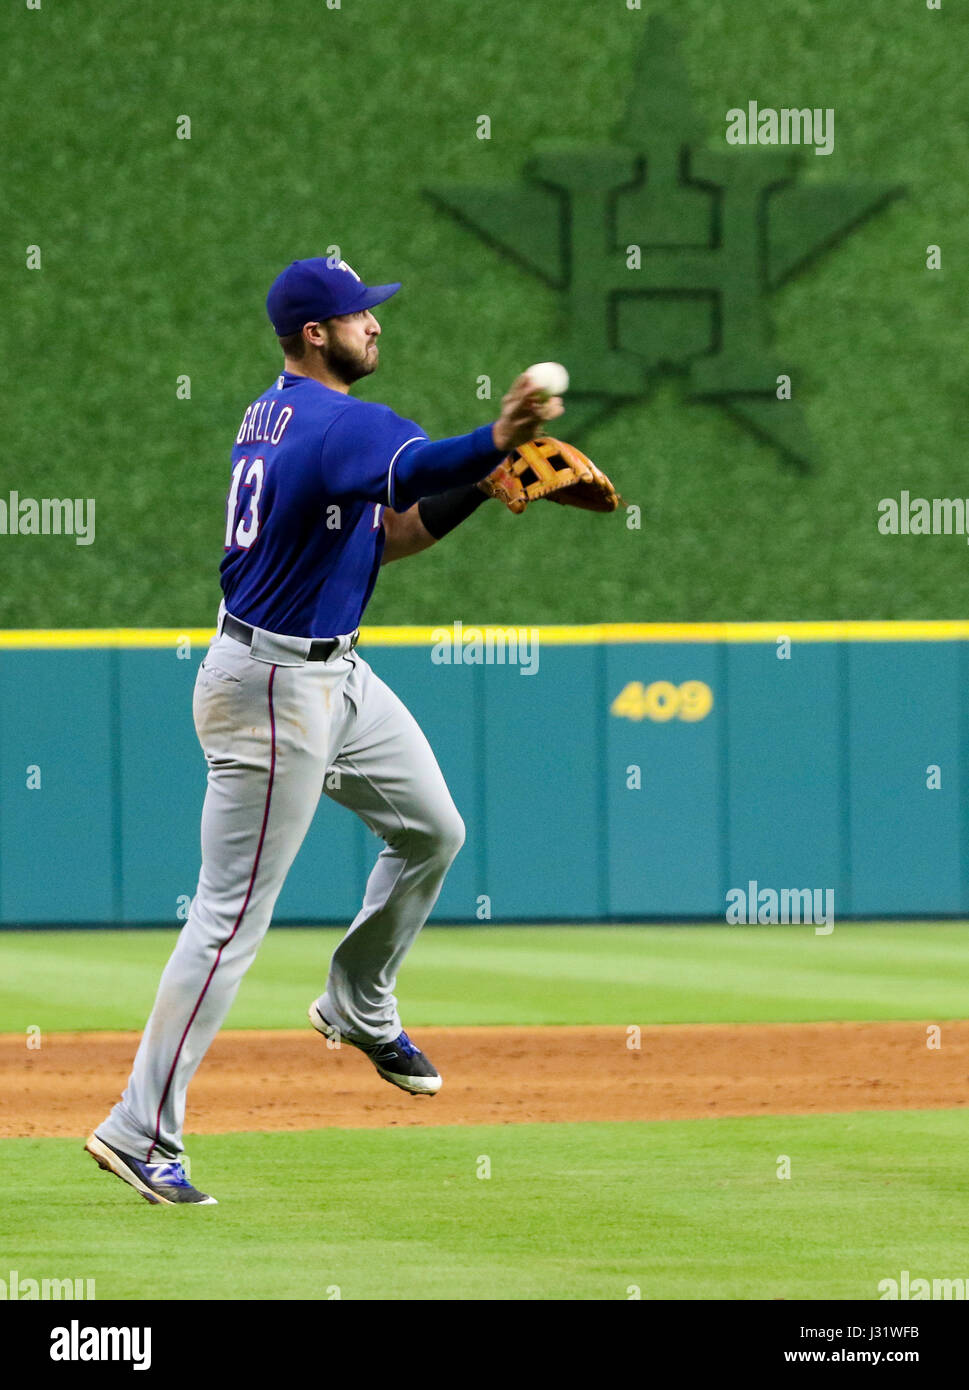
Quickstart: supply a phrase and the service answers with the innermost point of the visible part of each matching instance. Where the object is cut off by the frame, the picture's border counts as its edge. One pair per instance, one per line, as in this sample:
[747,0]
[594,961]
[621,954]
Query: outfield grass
[524,975]
[684,1210]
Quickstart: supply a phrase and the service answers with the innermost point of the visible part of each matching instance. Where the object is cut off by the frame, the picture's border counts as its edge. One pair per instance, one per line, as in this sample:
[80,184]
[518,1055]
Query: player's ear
[315,334]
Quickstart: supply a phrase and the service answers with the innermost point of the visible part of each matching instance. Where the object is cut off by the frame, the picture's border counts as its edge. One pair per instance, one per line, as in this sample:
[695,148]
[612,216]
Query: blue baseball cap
[314,290]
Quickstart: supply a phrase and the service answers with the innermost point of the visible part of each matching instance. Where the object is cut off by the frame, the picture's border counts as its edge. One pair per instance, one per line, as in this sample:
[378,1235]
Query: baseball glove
[549,468]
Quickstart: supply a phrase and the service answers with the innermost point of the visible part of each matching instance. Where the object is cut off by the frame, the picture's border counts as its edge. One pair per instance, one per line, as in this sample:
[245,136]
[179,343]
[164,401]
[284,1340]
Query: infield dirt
[264,1080]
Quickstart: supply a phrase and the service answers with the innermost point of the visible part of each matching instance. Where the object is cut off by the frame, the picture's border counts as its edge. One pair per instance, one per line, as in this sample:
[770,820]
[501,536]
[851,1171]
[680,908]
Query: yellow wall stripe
[134,637]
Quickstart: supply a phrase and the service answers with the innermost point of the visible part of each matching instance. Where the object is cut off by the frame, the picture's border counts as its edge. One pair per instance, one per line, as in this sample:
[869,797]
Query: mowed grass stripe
[685,1210]
[61,981]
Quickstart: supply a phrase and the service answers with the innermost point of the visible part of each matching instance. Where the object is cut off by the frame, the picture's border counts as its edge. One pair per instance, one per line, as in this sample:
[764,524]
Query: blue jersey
[312,469]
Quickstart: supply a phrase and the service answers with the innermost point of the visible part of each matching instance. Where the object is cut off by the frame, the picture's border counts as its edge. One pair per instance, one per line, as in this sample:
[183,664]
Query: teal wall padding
[59,840]
[784,767]
[664,838]
[811,772]
[160,775]
[904,706]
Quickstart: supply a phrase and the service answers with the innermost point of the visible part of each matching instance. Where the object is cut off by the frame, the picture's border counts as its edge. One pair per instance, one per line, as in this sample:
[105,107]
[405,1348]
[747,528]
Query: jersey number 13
[242,514]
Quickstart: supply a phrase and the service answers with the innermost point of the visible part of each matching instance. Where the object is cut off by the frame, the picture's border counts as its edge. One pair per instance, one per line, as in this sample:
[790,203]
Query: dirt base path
[291,1080]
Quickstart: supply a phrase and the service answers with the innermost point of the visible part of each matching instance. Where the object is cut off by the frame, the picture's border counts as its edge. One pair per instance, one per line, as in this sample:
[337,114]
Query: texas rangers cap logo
[317,289]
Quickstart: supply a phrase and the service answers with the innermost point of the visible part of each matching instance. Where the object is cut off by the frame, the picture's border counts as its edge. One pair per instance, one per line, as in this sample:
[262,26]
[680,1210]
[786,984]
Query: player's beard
[350,364]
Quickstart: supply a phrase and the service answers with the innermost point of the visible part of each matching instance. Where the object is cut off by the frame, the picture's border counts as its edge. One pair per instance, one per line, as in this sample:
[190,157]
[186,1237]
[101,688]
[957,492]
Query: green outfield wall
[617,772]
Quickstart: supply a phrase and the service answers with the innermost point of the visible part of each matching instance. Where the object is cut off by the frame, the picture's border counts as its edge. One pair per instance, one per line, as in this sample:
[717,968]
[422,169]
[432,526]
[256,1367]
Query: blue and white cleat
[162,1184]
[399,1061]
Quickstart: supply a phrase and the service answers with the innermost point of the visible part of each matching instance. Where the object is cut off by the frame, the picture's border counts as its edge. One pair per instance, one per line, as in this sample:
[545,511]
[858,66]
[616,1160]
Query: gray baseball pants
[275,728]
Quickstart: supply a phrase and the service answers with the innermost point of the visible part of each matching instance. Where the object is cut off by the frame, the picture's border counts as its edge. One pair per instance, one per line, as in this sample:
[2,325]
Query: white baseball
[550,377]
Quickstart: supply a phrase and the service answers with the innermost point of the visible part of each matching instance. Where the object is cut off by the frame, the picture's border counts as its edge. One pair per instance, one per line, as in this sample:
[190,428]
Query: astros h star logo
[666,253]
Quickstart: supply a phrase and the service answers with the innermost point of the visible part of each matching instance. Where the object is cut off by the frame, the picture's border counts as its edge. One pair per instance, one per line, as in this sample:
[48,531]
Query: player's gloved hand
[524,410]
[550,469]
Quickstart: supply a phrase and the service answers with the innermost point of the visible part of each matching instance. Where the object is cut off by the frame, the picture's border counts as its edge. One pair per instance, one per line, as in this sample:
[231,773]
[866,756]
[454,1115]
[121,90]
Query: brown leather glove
[549,468]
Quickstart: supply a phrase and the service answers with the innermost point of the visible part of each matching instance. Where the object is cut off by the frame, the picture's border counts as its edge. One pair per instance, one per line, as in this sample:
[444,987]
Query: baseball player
[324,490]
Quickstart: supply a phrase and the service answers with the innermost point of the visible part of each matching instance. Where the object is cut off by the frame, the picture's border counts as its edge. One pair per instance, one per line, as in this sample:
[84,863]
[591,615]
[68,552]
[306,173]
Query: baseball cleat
[398,1061]
[162,1184]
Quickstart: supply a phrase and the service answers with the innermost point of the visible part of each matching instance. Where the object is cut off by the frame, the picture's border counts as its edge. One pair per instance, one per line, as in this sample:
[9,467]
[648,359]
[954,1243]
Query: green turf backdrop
[312,127]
